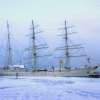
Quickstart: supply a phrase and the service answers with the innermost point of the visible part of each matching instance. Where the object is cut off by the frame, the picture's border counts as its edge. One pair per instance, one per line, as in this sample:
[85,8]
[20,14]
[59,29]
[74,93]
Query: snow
[49,88]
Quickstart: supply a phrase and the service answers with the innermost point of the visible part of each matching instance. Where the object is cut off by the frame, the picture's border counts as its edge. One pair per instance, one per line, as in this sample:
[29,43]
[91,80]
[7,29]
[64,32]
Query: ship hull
[82,72]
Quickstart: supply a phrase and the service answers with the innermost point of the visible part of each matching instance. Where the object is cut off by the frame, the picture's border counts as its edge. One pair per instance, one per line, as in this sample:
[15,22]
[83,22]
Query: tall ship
[64,69]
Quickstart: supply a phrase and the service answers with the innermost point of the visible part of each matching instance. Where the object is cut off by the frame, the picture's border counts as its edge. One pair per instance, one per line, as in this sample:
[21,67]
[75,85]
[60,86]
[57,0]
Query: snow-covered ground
[49,88]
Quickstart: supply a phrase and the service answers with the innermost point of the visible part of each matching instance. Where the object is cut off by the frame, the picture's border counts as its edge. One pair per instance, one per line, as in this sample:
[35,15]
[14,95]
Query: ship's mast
[9,55]
[34,54]
[36,47]
[68,47]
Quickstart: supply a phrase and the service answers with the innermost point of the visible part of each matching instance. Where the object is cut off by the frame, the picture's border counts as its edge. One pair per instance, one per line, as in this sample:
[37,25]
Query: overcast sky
[50,15]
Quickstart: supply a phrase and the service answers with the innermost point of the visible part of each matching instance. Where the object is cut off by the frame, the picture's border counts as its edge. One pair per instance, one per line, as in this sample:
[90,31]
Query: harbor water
[49,88]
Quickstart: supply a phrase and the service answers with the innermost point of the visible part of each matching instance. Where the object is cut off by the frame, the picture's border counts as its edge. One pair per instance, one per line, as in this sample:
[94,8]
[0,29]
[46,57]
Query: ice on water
[49,88]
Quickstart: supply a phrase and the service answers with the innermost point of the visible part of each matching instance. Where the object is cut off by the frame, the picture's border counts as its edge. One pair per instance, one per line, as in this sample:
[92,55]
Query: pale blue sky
[50,15]
[45,9]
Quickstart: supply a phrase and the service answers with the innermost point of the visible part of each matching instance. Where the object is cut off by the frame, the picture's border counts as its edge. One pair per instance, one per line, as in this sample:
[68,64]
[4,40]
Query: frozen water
[49,88]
